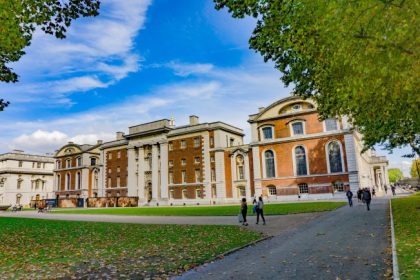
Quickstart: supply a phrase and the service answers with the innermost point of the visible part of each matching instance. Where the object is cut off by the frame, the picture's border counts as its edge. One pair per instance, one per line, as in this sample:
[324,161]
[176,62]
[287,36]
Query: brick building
[292,155]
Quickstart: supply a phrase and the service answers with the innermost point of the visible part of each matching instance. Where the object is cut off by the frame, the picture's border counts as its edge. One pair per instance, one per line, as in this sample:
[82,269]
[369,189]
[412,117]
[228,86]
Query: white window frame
[325,125]
[171,177]
[270,188]
[183,176]
[183,162]
[171,163]
[307,187]
[306,158]
[197,178]
[197,161]
[292,132]
[78,180]
[196,142]
[343,167]
[68,163]
[299,105]
[79,161]
[264,164]
[262,132]
[183,144]
[197,192]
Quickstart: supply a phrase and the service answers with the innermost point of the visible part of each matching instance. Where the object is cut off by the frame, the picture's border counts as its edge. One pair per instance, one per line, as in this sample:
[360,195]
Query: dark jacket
[366,195]
[244,207]
[349,194]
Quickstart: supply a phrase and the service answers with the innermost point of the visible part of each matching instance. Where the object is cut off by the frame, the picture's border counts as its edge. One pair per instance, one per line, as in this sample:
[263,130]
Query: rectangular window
[197,160]
[183,161]
[331,124]
[212,158]
[33,164]
[303,188]
[109,183]
[19,184]
[297,128]
[198,193]
[68,163]
[267,132]
[170,146]
[38,165]
[118,182]
[118,169]
[79,161]
[109,170]
[183,144]
[20,163]
[109,155]
[118,154]
[197,175]
[196,142]
[211,141]
[183,176]
[171,163]
[171,177]
[241,172]
[92,161]
[213,175]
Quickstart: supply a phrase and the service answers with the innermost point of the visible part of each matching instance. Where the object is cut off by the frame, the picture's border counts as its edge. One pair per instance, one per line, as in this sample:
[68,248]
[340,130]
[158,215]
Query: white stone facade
[25,177]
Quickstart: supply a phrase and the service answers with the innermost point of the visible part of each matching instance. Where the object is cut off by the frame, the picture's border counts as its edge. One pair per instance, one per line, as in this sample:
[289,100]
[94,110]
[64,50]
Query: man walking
[260,211]
[359,195]
[393,189]
[349,195]
[367,197]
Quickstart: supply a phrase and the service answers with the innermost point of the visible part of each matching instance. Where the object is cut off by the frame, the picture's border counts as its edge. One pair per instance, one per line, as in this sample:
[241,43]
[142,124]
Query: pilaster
[155,171]
[164,192]
[131,180]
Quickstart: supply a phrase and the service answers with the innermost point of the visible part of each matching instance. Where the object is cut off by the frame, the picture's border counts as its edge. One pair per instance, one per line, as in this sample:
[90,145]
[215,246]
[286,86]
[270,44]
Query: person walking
[260,210]
[393,189]
[373,192]
[349,195]
[367,197]
[386,189]
[244,210]
[359,195]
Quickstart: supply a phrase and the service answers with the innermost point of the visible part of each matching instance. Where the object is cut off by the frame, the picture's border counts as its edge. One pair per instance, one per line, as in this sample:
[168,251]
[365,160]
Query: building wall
[116,167]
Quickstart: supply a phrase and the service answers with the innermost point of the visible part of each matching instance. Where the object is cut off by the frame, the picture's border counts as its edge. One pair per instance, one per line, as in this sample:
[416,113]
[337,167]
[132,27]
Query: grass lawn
[44,249]
[230,210]
[406,213]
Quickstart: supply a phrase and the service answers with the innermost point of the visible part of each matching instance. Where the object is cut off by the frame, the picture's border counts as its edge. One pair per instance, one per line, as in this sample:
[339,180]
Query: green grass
[269,209]
[46,249]
[406,212]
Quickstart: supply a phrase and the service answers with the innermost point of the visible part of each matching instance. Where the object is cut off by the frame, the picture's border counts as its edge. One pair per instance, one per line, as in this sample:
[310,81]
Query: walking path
[349,243]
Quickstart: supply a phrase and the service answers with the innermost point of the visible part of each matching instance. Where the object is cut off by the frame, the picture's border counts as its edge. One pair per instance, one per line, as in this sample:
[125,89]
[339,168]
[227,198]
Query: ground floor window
[184,194]
[213,192]
[303,188]
[198,193]
[338,186]
[241,192]
[272,190]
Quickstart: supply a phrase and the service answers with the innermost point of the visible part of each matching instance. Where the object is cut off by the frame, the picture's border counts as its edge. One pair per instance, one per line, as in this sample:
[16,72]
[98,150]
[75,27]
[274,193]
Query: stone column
[131,180]
[140,174]
[207,166]
[164,171]
[102,174]
[257,170]
[220,175]
[155,172]
[247,176]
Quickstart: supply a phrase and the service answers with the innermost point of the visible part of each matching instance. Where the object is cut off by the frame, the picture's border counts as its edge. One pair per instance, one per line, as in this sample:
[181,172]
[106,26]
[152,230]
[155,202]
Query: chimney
[172,122]
[261,109]
[17,151]
[99,142]
[194,120]
[71,142]
[120,135]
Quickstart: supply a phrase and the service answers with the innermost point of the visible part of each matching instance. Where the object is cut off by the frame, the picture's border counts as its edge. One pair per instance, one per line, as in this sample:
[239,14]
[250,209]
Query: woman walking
[260,211]
[244,209]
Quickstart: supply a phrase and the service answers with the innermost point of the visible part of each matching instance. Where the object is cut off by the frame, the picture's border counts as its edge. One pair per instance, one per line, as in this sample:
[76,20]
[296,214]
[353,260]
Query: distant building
[25,178]
[293,155]
[76,172]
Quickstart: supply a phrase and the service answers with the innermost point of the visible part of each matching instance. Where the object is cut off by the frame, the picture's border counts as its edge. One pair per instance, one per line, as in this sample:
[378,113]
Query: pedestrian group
[258,209]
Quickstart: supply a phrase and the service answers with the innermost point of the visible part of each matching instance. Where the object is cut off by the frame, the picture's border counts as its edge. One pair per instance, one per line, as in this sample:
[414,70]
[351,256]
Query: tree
[415,168]
[19,19]
[354,58]
[395,174]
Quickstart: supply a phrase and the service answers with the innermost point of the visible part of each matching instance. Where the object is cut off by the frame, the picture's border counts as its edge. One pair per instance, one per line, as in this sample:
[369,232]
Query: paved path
[275,224]
[350,243]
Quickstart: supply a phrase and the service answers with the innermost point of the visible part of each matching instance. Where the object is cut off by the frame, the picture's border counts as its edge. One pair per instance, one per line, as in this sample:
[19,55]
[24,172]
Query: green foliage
[354,58]
[395,174]
[407,226]
[269,209]
[43,249]
[415,168]
[19,19]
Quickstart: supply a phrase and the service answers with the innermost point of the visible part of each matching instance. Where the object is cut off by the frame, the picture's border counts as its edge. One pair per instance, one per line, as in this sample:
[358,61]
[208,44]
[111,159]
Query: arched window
[300,157]
[272,190]
[58,164]
[79,161]
[334,157]
[269,164]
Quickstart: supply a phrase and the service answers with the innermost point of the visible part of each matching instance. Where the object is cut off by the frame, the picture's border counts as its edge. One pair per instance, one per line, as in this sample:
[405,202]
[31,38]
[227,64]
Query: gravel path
[350,243]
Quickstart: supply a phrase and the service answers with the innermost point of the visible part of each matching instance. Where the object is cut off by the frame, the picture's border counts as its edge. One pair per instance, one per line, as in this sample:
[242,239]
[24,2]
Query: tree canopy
[354,58]
[19,19]
[395,174]
[415,168]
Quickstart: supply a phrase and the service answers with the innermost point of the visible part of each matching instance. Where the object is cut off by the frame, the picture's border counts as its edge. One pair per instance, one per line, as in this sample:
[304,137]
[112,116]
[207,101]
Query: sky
[139,61]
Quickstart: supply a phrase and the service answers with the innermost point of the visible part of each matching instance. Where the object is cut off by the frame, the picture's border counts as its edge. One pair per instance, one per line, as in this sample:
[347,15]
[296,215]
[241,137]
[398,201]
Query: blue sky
[138,61]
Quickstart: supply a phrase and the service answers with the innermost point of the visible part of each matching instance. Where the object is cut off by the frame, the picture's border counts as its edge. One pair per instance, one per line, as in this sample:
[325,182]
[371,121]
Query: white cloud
[222,94]
[97,53]
[185,69]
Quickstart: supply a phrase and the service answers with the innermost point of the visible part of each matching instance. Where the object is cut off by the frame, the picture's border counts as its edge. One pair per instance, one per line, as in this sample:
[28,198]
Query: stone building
[76,172]
[25,178]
